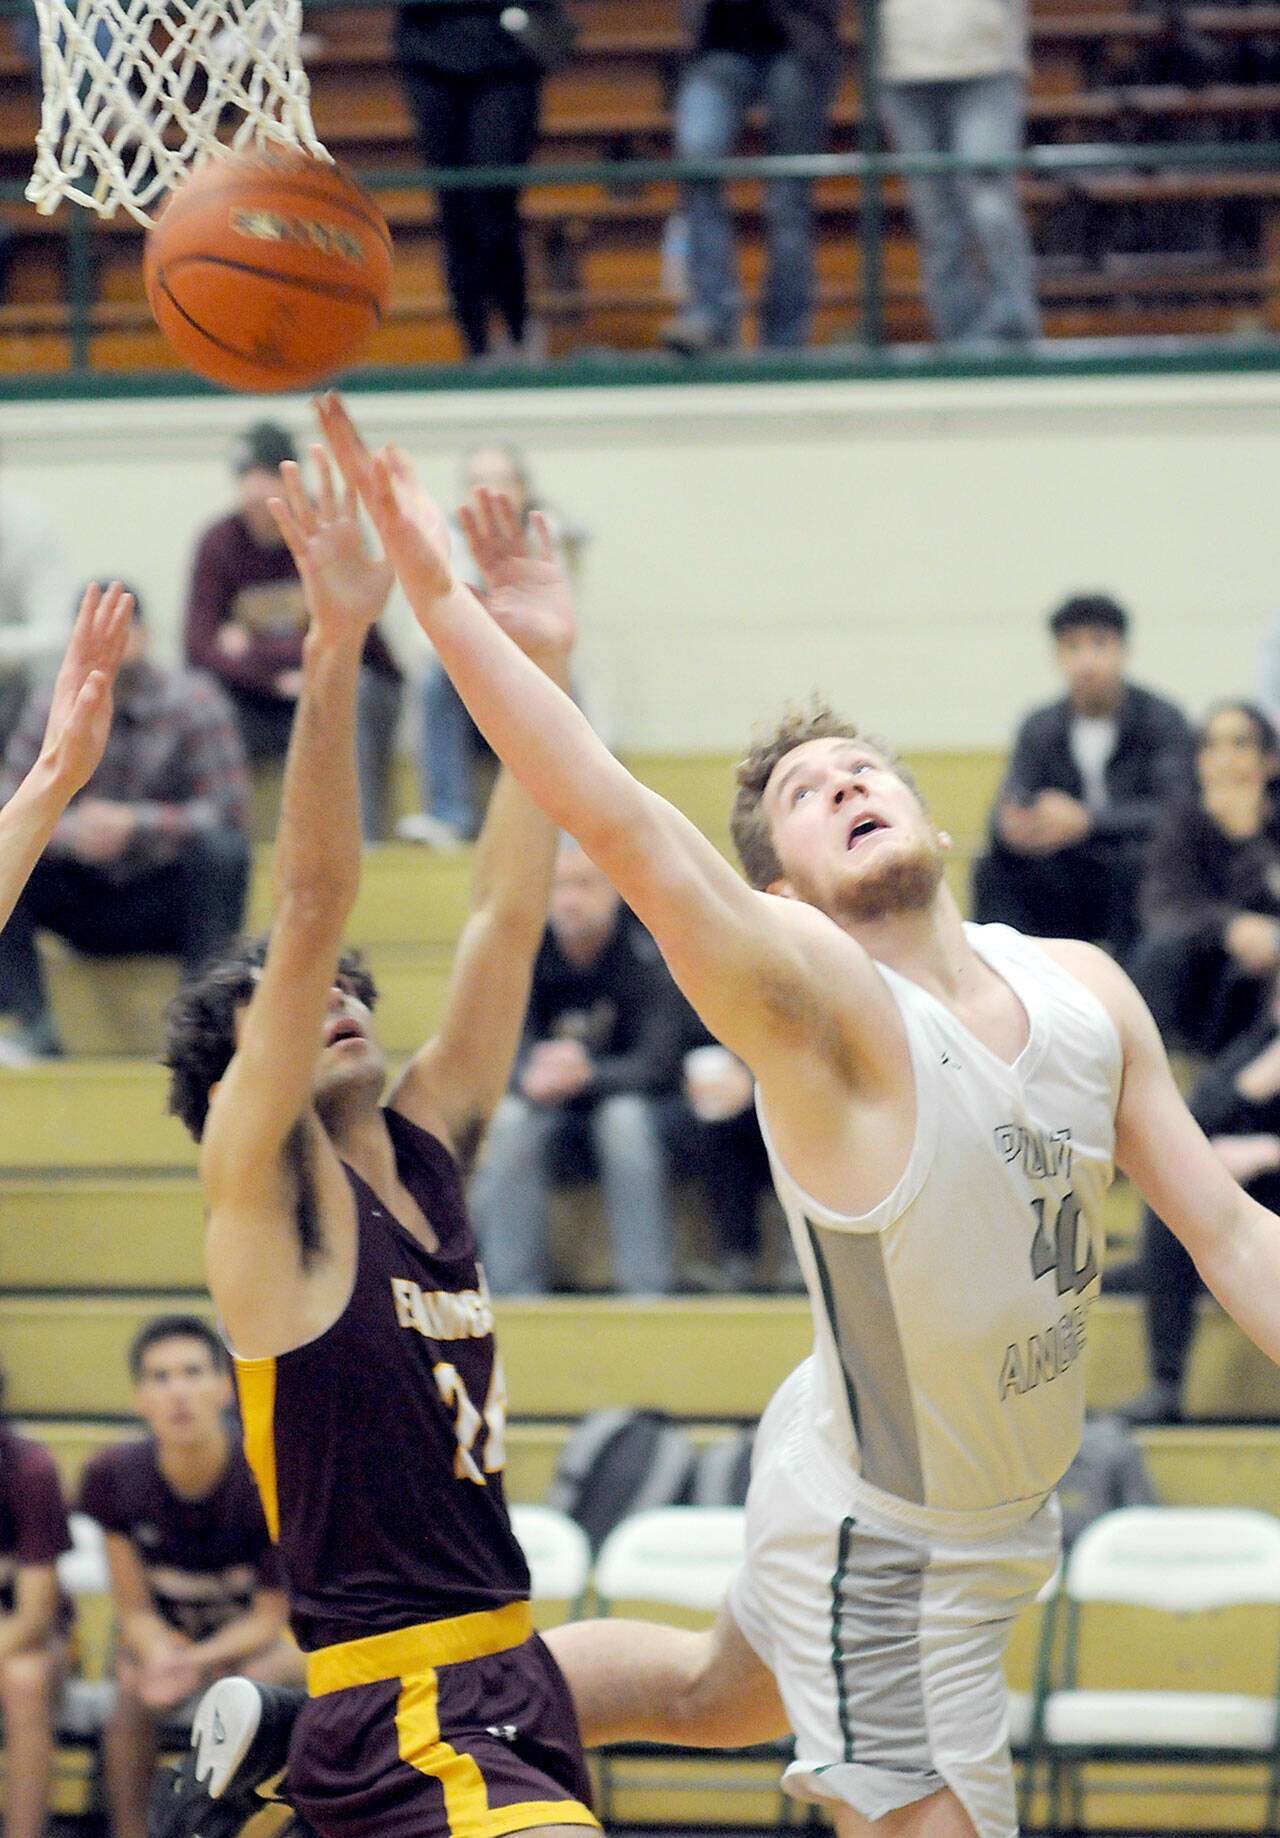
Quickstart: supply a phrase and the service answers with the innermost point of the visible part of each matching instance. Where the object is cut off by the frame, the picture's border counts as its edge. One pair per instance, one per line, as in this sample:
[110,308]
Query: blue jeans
[511,1192]
[446,758]
[715,93]
[975,254]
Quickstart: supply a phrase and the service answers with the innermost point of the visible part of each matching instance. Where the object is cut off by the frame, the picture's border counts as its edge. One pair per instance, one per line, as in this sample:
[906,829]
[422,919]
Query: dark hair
[1264,730]
[174,1327]
[201,1022]
[1089,610]
[748,824]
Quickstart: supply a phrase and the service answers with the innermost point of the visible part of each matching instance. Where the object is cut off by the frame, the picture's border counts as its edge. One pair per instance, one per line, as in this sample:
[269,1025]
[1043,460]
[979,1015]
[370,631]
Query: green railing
[872,165]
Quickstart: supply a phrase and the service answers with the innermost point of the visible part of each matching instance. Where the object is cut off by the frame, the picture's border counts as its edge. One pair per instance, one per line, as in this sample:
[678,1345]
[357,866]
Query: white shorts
[885,1625]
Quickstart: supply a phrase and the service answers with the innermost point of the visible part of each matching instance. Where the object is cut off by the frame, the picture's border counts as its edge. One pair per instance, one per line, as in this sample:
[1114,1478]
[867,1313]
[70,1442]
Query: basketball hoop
[135,90]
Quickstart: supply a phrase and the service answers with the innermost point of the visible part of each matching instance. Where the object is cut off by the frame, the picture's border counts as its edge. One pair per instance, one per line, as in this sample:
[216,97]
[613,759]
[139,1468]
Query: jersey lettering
[442,1314]
[1056,1247]
[468,1422]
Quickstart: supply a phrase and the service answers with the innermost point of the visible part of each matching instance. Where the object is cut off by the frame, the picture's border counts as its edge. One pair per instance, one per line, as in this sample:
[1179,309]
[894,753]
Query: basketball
[268,269]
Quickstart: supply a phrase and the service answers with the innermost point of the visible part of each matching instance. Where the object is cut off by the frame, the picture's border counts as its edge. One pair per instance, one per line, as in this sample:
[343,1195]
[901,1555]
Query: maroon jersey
[378,1445]
[203,1558]
[33,1519]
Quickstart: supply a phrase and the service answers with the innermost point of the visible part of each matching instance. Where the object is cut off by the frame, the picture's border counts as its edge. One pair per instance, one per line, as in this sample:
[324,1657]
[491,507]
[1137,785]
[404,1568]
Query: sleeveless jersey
[951,1319]
[378,1446]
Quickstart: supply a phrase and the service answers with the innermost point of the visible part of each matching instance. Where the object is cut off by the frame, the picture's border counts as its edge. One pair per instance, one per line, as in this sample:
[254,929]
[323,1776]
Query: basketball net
[135,90]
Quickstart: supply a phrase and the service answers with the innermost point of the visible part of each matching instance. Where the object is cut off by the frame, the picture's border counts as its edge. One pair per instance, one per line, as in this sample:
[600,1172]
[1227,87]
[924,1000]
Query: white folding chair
[674,1563]
[559,1559]
[1169,1650]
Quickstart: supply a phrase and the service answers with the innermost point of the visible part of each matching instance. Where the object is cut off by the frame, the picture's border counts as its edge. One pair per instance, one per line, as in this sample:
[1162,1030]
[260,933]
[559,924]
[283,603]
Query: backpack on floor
[723,1470]
[617,1462]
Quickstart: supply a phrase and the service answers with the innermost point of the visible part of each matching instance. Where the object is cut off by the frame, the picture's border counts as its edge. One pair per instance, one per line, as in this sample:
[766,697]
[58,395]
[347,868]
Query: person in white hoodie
[953,80]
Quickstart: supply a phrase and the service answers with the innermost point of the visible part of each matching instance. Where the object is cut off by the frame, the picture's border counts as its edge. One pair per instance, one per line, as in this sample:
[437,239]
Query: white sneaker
[420,826]
[225,1724]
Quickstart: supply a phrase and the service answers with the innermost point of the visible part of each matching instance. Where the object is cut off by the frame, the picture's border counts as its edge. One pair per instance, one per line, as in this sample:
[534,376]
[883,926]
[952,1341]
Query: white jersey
[951,1320]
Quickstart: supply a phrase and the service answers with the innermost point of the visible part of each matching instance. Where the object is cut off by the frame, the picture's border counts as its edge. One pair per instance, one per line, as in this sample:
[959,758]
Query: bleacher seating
[101,1226]
[596,249]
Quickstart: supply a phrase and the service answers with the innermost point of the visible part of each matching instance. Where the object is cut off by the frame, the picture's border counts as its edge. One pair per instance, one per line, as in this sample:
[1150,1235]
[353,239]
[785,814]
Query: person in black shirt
[473,91]
[1236,1102]
[1210,900]
[602,1041]
[1084,786]
[784,53]
[197,1584]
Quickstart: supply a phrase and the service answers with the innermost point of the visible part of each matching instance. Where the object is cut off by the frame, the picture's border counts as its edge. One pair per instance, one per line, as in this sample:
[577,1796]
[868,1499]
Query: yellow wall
[896,543]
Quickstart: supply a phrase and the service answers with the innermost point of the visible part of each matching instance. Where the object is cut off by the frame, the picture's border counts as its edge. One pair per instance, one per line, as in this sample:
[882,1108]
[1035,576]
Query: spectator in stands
[1236,1102]
[1210,900]
[473,91]
[34,1620]
[449,745]
[197,1584]
[1082,790]
[151,855]
[246,618]
[37,601]
[953,80]
[601,1046]
[785,54]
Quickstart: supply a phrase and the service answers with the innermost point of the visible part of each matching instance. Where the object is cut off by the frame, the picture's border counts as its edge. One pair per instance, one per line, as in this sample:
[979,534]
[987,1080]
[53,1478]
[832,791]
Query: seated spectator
[1210,902]
[34,1620]
[1236,1102]
[784,54]
[450,747]
[1086,780]
[197,1584]
[246,619]
[153,853]
[601,1046]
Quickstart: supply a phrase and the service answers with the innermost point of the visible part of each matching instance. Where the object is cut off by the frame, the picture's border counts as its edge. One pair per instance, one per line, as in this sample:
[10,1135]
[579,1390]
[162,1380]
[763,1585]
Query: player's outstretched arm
[746,966]
[75,734]
[262,1140]
[1159,1145]
[453,1084]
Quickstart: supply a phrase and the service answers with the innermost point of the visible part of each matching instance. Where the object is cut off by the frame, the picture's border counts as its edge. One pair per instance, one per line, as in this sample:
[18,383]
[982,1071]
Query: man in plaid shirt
[152,855]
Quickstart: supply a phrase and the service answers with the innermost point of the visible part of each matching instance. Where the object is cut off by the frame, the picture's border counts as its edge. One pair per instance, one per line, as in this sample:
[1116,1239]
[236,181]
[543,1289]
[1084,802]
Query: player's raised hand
[346,587]
[80,712]
[526,591]
[409,523]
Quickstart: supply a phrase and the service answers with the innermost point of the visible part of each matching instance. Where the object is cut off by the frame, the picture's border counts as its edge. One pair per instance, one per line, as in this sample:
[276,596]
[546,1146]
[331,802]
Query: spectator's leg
[989,119]
[377,723]
[735,1168]
[796,99]
[709,109]
[916,115]
[439,105]
[1171,1288]
[447,750]
[211,879]
[128,1756]
[29,1682]
[22,987]
[510,1196]
[501,130]
[627,1144]
[1179,979]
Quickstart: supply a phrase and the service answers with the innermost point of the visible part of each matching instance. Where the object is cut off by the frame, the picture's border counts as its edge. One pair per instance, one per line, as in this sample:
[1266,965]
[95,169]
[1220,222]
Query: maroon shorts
[469,1750]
